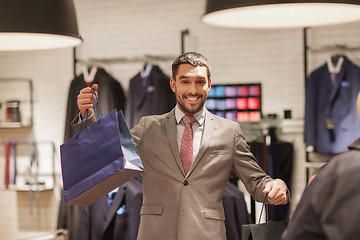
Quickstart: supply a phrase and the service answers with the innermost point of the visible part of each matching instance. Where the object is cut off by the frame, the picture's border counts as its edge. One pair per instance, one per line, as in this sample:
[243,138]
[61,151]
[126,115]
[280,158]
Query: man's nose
[193,88]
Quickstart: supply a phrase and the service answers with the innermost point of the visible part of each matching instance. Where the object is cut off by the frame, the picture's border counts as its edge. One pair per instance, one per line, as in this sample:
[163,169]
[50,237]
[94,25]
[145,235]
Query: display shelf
[34,163]
[238,102]
[14,125]
[16,103]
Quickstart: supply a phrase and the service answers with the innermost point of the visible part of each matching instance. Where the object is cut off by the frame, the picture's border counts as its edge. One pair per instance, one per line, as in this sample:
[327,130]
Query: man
[329,207]
[187,165]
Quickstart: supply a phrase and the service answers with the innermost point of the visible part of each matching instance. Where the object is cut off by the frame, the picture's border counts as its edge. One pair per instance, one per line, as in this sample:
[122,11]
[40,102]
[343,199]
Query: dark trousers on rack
[277,160]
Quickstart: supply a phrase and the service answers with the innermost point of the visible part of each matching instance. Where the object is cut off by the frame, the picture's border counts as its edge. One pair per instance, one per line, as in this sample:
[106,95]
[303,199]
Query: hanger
[335,58]
[89,76]
[146,70]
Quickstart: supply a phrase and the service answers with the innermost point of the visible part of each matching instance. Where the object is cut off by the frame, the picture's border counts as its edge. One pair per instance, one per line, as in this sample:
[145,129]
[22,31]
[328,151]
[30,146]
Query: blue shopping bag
[100,158]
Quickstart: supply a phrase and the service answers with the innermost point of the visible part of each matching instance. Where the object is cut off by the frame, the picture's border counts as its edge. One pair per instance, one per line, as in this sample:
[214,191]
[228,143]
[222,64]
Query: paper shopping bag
[100,158]
[270,230]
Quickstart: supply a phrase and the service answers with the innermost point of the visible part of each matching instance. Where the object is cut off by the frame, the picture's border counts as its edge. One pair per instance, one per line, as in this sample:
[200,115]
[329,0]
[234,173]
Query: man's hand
[276,191]
[85,100]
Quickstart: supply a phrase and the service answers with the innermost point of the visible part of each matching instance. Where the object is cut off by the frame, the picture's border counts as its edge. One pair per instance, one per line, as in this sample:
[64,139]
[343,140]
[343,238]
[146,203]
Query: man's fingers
[86,90]
[276,191]
[85,101]
[280,199]
[273,192]
[85,98]
[95,87]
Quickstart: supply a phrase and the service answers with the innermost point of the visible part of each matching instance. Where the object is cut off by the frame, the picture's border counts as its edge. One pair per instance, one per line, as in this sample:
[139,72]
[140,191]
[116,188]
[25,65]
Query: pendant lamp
[279,14]
[37,25]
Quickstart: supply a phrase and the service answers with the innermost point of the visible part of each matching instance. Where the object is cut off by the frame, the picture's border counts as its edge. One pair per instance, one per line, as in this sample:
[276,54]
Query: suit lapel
[207,134]
[141,92]
[336,89]
[327,81]
[170,124]
[115,206]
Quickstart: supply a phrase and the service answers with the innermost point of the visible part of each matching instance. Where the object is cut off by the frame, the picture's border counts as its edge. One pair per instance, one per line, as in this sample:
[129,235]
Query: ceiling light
[38,24]
[279,14]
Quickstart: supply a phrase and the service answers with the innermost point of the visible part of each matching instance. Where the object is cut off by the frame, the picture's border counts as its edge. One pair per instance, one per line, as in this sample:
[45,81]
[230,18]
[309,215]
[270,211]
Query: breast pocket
[151,210]
[218,152]
[214,214]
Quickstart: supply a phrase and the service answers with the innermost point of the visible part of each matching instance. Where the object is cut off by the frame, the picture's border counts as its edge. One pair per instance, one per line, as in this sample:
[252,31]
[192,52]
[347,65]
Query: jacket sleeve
[137,131]
[75,123]
[247,168]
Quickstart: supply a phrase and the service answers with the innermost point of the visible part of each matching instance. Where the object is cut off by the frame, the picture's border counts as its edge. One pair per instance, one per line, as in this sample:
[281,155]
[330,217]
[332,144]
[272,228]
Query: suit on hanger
[111,96]
[336,102]
[149,96]
[236,213]
[189,207]
[120,221]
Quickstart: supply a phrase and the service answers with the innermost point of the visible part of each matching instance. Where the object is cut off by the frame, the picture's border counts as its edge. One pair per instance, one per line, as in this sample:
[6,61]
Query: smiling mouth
[192,98]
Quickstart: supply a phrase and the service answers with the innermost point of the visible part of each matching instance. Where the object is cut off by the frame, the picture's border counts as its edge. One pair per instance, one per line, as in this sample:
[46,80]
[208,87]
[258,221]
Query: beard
[190,109]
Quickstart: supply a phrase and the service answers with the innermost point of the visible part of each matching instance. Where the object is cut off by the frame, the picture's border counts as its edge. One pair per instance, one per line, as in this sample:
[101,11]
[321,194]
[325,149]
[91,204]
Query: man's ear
[172,84]
[209,84]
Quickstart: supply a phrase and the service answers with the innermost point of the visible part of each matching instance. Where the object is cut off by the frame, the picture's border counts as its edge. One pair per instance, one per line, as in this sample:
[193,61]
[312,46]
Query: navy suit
[111,96]
[336,102]
[236,213]
[99,221]
[149,96]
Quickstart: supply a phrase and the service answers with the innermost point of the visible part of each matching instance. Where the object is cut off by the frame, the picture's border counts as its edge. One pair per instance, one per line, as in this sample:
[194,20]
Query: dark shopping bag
[100,158]
[271,230]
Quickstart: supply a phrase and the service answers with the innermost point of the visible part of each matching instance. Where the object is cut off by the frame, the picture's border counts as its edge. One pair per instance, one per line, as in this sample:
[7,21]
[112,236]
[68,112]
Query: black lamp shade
[37,24]
[276,14]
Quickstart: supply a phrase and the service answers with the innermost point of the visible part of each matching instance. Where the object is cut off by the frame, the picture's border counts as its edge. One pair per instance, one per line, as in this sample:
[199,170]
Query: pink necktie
[186,149]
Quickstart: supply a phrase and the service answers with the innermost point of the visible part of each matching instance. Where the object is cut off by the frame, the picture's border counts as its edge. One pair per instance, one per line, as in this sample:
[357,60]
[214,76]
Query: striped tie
[186,149]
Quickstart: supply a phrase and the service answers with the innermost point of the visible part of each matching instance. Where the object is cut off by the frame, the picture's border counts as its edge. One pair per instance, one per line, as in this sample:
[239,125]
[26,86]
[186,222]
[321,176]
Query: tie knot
[188,119]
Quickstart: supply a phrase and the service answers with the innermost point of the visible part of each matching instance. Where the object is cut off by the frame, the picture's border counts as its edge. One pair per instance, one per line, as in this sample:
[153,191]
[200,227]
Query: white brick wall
[125,28]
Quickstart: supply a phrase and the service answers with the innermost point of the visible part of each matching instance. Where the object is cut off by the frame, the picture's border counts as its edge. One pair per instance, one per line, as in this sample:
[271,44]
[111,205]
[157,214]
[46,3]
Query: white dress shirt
[197,127]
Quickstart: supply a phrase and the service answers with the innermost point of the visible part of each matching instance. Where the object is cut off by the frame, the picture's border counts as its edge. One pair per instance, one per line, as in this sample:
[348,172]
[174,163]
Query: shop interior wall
[113,29]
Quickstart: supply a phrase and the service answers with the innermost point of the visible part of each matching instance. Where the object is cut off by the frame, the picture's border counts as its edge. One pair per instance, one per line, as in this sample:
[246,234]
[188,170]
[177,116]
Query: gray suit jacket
[186,207]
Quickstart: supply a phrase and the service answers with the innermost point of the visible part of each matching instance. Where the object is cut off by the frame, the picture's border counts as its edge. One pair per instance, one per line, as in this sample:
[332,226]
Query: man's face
[191,88]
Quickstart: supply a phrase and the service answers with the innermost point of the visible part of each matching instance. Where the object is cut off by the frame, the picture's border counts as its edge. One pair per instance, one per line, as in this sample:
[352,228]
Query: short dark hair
[193,58]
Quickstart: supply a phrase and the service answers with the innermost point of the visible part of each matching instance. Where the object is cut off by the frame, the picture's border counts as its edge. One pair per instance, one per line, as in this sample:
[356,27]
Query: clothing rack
[338,50]
[120,60]
[340,47]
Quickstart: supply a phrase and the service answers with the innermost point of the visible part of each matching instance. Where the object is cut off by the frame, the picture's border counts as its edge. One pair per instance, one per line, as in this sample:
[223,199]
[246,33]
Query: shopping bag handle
[87,112]
[267,212]
[262,209]
[97,100]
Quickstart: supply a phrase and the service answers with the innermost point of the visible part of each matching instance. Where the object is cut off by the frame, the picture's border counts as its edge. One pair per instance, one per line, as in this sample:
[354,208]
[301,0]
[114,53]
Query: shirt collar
[200,116]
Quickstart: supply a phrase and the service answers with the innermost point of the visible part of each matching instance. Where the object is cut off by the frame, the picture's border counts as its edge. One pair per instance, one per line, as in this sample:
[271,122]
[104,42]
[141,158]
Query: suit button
[185,183]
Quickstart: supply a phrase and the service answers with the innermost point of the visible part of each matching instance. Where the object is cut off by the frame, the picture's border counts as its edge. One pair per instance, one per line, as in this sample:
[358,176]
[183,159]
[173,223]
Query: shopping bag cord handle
[262,209]
[84,117]
[267,212]
[97,100]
